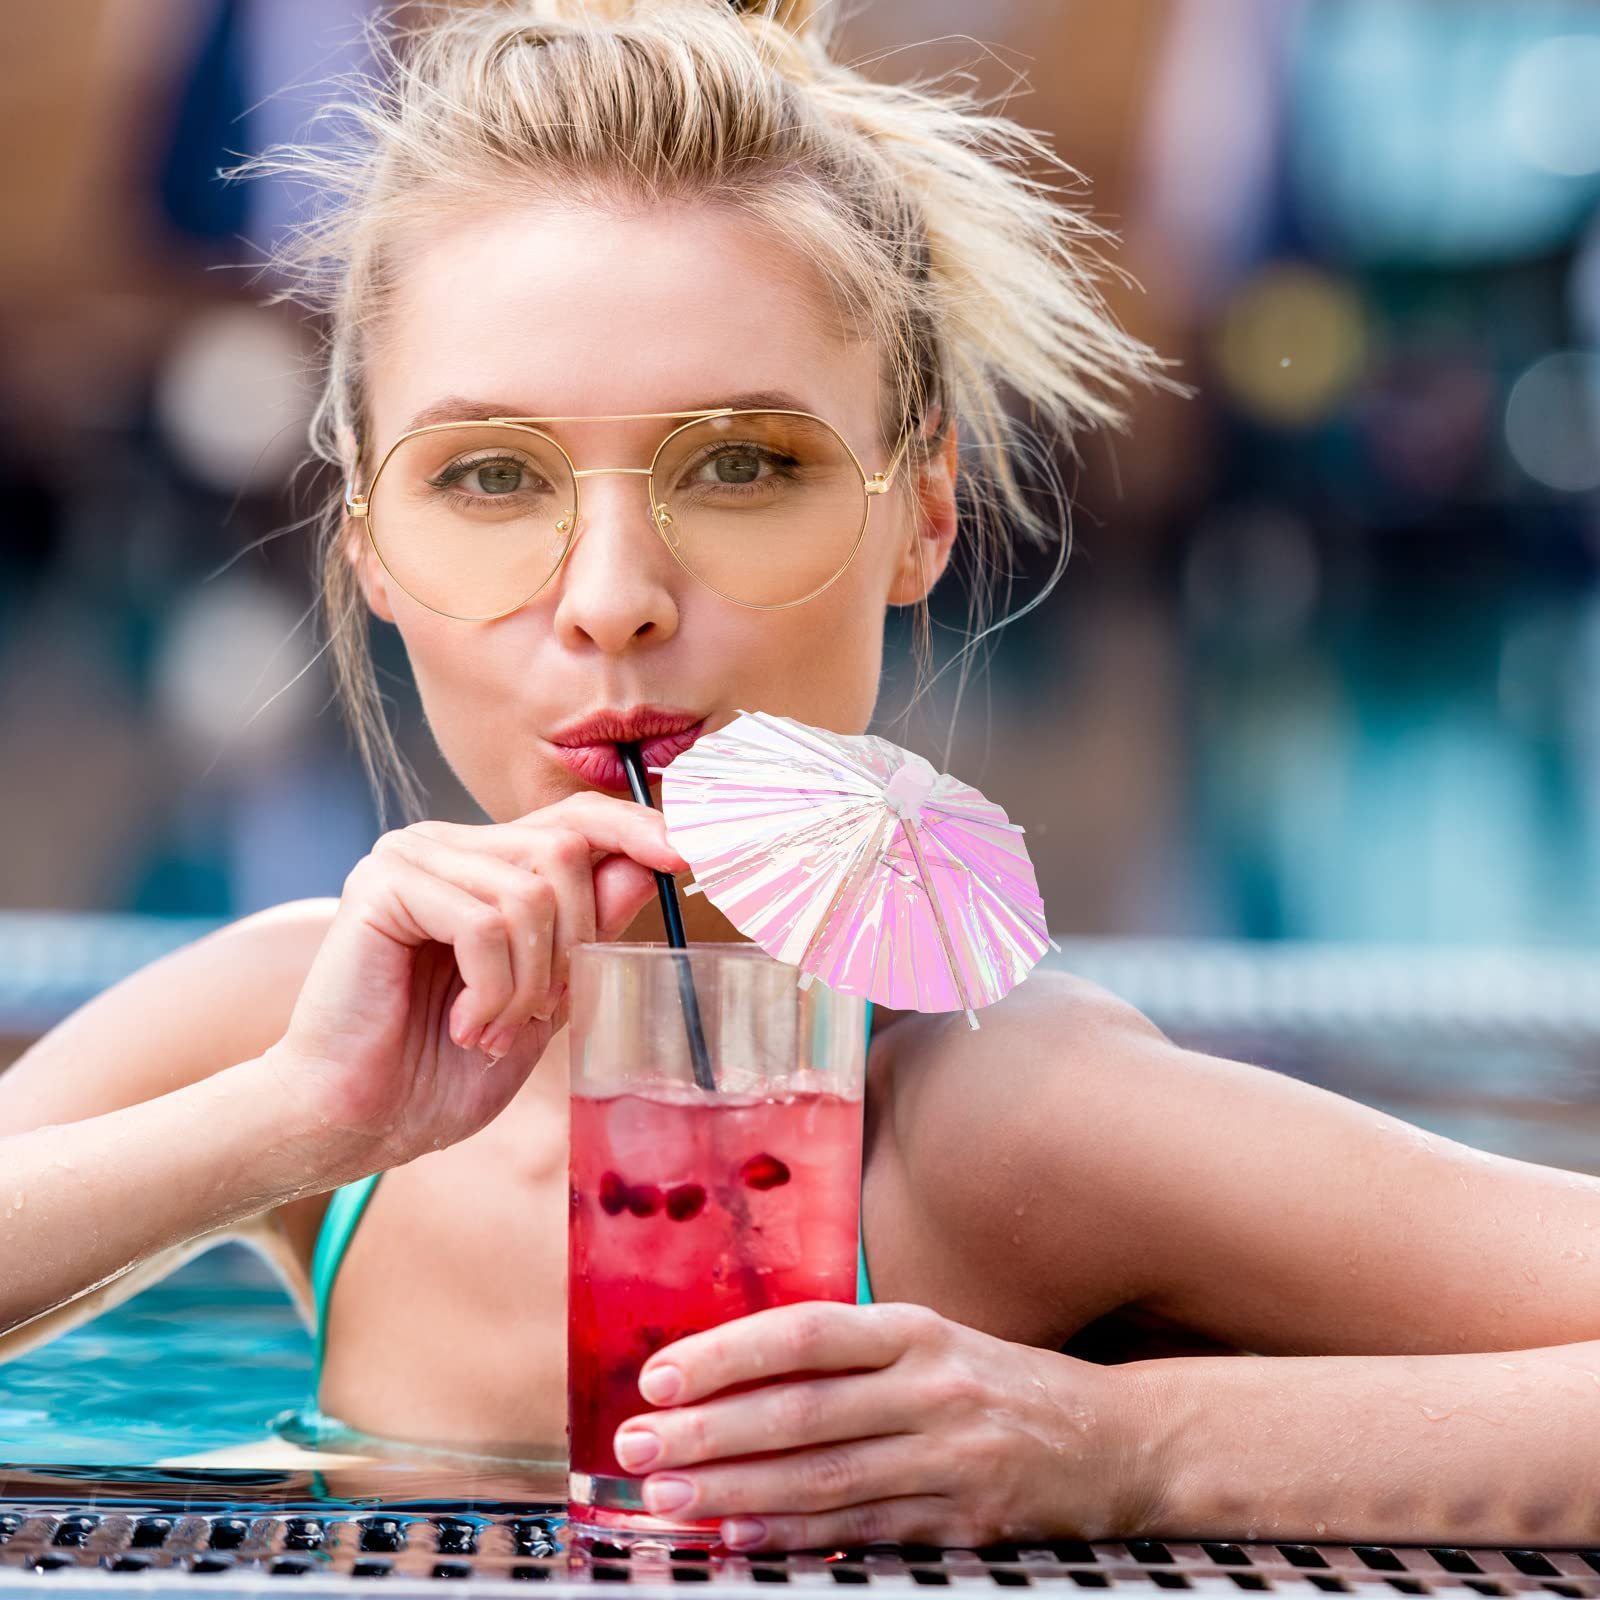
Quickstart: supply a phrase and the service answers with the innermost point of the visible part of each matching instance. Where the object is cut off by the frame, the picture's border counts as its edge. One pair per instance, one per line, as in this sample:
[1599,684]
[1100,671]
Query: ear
[354,539]
[368,569]
[932,534]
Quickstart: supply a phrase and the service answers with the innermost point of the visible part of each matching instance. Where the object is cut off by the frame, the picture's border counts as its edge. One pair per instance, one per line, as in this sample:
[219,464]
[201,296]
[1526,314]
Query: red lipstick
[588,746]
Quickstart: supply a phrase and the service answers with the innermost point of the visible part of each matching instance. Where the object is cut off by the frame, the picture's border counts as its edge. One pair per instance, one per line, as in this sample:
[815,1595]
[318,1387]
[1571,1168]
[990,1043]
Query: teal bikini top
[345,1206]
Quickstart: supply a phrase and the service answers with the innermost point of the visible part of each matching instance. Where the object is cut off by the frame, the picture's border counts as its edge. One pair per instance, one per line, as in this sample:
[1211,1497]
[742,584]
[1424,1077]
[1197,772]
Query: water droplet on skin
[1018,1212]
[1016,1238]
[1530,1275]
[19,1200]
[1436,1416]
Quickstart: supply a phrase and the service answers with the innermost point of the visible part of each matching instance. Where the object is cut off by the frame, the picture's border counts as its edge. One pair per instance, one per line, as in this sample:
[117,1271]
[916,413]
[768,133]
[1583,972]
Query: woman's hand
[443,975]
[904,1426]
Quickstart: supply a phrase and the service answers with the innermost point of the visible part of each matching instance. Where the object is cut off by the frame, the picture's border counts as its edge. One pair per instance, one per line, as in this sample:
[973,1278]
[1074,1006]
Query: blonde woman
[676,220]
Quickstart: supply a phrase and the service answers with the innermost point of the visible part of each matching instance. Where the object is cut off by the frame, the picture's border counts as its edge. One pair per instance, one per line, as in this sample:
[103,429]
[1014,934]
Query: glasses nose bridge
[659,517]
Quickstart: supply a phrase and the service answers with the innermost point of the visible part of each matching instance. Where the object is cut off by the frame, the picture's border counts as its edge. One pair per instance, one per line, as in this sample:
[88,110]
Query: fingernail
[497,1043]
[667,1494]
[637,1448]
[737,1532]
[661,1385]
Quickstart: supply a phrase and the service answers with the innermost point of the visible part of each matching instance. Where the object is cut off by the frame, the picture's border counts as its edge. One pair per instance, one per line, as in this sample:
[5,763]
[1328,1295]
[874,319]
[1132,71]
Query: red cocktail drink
[686,1213]
[690,1208]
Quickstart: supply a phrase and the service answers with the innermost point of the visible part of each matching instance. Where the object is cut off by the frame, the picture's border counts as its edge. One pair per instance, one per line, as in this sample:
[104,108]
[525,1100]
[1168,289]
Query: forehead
[559,312]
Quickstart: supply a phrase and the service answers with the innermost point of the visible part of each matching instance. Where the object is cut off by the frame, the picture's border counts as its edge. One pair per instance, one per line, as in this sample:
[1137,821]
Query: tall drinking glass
[689,1206]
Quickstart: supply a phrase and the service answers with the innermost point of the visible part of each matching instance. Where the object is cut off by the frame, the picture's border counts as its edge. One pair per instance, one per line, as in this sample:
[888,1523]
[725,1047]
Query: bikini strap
[345,1206]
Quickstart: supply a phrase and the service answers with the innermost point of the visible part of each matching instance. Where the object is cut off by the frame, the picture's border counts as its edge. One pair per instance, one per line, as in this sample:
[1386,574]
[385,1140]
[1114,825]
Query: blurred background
[1326,662]
[1307,742]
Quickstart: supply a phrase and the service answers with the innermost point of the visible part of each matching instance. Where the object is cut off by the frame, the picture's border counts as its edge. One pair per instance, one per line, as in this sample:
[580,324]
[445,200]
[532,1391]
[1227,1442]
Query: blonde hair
[947,233]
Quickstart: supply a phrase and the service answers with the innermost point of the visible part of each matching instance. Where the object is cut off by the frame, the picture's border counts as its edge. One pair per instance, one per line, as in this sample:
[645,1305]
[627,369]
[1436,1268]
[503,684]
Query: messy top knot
[946,234]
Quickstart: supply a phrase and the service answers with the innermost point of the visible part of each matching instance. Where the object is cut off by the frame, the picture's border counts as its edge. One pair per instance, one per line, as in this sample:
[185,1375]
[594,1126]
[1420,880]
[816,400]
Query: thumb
[622,889]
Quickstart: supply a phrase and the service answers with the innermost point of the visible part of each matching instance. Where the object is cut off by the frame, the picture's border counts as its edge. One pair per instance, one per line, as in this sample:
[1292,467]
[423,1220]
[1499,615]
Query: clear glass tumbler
[693,1205]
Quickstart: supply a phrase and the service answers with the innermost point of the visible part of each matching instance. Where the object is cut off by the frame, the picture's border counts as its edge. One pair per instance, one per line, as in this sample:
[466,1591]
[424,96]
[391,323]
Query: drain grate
[417,1548]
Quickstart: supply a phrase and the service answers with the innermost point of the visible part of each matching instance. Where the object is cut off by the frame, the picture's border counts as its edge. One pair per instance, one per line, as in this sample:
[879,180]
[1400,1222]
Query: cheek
[463,672]
[448,659]
[822,660]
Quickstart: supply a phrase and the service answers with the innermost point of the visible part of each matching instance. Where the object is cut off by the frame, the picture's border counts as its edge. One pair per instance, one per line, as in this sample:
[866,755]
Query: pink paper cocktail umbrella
[855,861]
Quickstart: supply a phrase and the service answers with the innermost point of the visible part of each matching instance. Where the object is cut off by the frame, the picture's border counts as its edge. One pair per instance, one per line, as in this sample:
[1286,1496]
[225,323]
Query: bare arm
[1427,1315]
[1496,1448]
[83,1202]
[163,1031]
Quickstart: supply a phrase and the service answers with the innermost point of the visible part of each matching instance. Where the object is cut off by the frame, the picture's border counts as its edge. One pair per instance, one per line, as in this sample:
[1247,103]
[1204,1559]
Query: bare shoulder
[985,1191]
[219,1000]
[935,1075]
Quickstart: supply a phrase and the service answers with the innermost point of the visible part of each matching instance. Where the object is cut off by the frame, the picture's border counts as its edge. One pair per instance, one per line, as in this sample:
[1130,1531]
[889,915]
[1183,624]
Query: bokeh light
[227,677]
[232,398]
[1551,111]
[1293,340]
[1551,421]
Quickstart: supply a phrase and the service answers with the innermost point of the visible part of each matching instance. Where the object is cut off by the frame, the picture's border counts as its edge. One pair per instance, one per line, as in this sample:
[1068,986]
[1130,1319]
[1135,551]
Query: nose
[619,582]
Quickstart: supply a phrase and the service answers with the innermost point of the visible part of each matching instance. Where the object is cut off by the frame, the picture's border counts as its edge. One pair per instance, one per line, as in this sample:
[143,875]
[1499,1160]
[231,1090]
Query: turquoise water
[207,1358]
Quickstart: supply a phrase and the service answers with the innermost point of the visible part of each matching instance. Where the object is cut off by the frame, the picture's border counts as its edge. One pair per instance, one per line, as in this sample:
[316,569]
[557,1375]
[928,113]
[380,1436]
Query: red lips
[588,747]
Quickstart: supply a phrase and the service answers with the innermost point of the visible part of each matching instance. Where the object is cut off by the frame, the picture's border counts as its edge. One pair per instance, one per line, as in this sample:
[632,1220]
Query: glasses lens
[473,519]
[766,507]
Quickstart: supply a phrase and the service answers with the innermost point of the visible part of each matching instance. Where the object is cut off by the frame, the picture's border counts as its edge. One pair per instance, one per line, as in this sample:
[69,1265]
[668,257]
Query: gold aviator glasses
[765,508]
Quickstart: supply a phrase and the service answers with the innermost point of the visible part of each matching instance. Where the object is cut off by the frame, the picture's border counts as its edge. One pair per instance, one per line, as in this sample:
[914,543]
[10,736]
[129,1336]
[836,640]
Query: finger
[565,863]
[782,1416]
[415,906]
[527,904]
[622,889]
[640,836]
[620,884]
[815,1336]
[910,1519]
[821,1479]
[617,827]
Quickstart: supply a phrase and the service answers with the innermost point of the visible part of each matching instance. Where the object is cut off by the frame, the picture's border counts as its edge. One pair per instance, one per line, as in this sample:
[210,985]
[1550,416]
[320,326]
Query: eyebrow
[456,408]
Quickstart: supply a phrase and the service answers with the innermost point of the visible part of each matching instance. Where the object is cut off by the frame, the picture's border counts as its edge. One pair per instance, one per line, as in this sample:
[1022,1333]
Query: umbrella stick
[938,919]
[672,917]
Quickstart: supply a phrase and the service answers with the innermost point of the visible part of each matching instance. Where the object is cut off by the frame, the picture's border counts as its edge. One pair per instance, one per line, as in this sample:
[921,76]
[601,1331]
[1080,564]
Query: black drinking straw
[672,916]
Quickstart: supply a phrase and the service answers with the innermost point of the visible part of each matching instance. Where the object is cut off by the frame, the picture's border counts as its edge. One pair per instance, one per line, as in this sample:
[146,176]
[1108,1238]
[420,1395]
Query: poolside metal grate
[155,1546]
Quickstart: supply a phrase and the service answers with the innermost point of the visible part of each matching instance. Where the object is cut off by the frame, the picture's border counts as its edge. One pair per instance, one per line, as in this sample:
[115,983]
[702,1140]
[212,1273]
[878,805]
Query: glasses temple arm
[880,482]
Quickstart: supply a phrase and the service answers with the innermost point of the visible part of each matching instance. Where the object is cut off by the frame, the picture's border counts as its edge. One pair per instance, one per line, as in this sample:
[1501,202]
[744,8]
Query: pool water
[206,1358]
